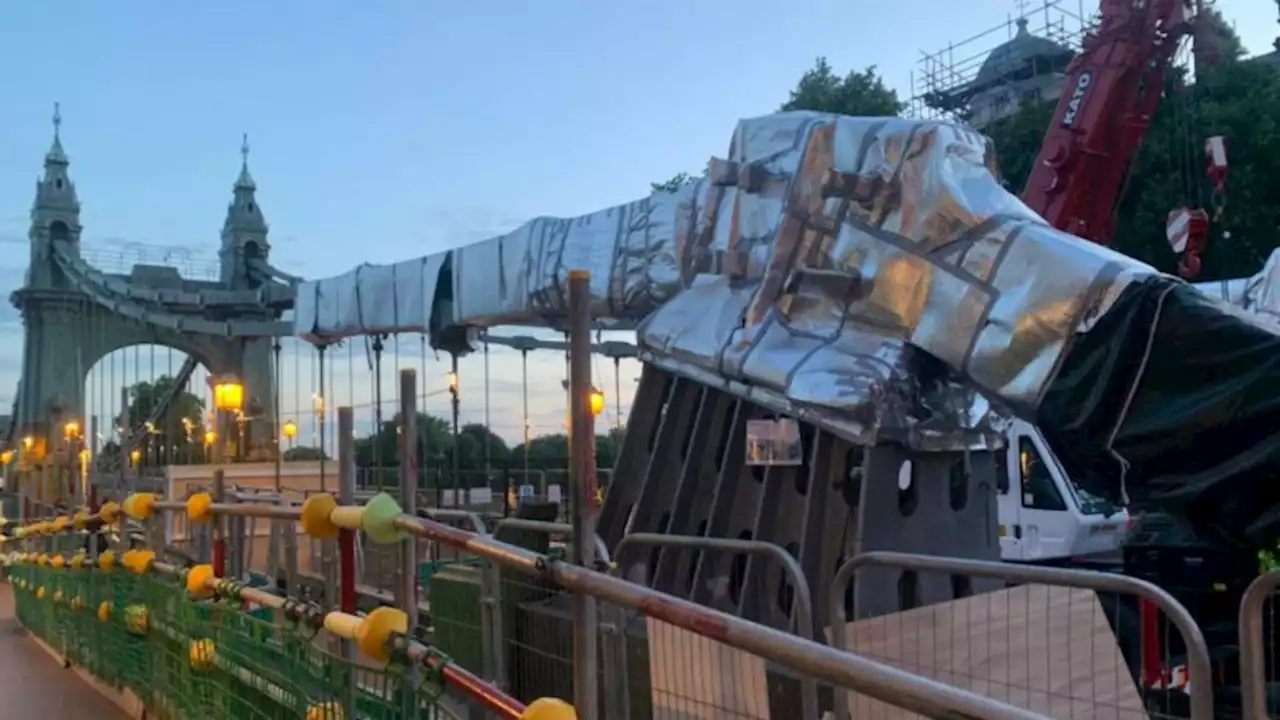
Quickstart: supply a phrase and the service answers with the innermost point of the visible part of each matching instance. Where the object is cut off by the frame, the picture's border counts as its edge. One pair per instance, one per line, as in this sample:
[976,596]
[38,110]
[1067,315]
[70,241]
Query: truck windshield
[1092,504]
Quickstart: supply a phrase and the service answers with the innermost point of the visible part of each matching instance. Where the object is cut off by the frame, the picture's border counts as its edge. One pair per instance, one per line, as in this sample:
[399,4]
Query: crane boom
[1113,87]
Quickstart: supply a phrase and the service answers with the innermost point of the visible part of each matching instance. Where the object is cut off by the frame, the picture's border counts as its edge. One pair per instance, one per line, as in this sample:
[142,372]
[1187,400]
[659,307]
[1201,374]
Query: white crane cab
[1043,515]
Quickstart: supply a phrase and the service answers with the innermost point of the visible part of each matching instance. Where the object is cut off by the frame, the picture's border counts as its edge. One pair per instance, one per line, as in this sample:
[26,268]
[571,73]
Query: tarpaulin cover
[1173,399]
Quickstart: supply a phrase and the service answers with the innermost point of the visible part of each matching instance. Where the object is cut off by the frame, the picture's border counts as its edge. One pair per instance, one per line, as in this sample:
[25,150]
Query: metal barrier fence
[186,657]
[1259,664]
[509,607]
[693,653]
[1047,639]
[801,603]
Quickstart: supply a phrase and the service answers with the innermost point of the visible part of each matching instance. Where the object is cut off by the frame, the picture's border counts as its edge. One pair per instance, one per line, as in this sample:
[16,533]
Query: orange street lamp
[228,394]
[290,431]
[597,401]
[71,430]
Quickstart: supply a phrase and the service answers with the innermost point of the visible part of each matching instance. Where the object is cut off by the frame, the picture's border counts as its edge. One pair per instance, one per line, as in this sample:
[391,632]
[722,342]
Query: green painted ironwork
[189,658]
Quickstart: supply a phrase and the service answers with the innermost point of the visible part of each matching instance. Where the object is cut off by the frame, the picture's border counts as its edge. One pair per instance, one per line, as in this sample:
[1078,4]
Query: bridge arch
[67,335]
[122,392]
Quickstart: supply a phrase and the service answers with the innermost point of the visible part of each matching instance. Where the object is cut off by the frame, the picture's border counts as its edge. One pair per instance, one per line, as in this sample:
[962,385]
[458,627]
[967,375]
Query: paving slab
[35,685]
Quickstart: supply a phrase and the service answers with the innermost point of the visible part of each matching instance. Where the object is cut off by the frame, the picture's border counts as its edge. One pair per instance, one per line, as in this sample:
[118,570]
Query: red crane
[1113,87]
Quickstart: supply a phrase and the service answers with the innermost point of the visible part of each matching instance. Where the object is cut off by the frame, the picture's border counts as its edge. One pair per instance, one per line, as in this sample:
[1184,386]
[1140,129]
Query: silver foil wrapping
[868,274]
[1258,296]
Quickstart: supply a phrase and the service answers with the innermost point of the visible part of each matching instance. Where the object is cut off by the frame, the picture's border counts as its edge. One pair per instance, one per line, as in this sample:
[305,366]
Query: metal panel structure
[682,470]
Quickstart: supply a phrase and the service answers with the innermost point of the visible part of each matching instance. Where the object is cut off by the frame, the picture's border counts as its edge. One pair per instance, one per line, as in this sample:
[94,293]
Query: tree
[1215,39]
[822,90]
[1016,142]
[298,454]
[545,452]
[1239,100]
[857,93]
[551,452]
[177,435]
[435,438]
[472,439]
[608,446]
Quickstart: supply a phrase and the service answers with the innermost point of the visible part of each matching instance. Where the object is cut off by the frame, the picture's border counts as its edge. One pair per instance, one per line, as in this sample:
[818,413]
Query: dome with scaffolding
[982,86]
[1024,56]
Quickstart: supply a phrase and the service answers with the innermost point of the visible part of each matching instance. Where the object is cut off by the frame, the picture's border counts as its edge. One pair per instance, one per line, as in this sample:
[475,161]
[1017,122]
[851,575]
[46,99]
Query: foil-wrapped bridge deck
[868,275]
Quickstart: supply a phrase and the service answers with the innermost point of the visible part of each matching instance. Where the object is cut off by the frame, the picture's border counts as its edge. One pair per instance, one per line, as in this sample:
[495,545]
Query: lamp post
[71,433]
[149,432]
[228,401]
[595,406]
[452,378]
[188,432]
[84,456]
[290,431]
[228,397]
[6,459]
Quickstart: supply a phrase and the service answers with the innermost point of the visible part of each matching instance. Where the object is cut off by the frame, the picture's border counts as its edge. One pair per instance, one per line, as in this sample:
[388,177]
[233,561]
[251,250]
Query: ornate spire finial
[1022,8]
[57,119]
[244,149]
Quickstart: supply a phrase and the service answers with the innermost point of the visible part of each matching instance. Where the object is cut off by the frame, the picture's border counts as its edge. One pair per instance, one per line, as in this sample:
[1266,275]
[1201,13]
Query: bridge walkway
[34,685]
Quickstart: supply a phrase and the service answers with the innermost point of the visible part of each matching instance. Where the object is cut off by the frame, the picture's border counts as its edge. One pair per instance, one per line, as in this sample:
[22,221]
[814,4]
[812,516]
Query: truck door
[1046,519]
[1008,502]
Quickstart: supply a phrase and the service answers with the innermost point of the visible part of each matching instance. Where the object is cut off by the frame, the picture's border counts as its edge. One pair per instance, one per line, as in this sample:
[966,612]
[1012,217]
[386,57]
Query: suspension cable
[524,386]
[455,386]
[278,374]
[425,460]
[311,364]
[324,410]
[488,459]
[377,408]
[617,393]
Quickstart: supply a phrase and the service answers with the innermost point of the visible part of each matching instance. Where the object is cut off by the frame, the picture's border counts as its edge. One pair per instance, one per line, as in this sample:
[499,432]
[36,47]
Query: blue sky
[390,129]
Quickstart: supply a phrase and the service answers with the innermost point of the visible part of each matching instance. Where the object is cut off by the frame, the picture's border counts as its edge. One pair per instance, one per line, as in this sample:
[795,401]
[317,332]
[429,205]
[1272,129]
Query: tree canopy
[479,450]
[178,433]
[859,92]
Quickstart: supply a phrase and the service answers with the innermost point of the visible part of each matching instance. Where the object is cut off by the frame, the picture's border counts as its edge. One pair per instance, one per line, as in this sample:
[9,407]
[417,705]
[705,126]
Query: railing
[520,624]
[1257,637]
[802,602]
[1063,631]
[386,635]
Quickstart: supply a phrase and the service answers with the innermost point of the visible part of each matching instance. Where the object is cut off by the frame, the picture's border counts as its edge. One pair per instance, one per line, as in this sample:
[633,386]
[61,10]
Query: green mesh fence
[187,658]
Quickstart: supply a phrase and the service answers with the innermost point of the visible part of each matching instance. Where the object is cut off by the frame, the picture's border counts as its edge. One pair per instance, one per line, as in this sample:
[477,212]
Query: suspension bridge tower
[74,314]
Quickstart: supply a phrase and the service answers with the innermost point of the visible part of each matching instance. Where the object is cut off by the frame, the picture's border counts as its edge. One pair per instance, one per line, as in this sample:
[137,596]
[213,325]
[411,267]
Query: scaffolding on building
[944,81]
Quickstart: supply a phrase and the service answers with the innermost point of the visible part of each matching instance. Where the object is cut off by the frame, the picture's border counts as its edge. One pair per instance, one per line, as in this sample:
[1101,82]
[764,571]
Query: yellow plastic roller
[202,654]
[329,710]
[549,708]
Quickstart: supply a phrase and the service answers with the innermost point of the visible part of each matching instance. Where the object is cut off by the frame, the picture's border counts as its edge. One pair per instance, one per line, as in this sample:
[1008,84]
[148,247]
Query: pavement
[34,686]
